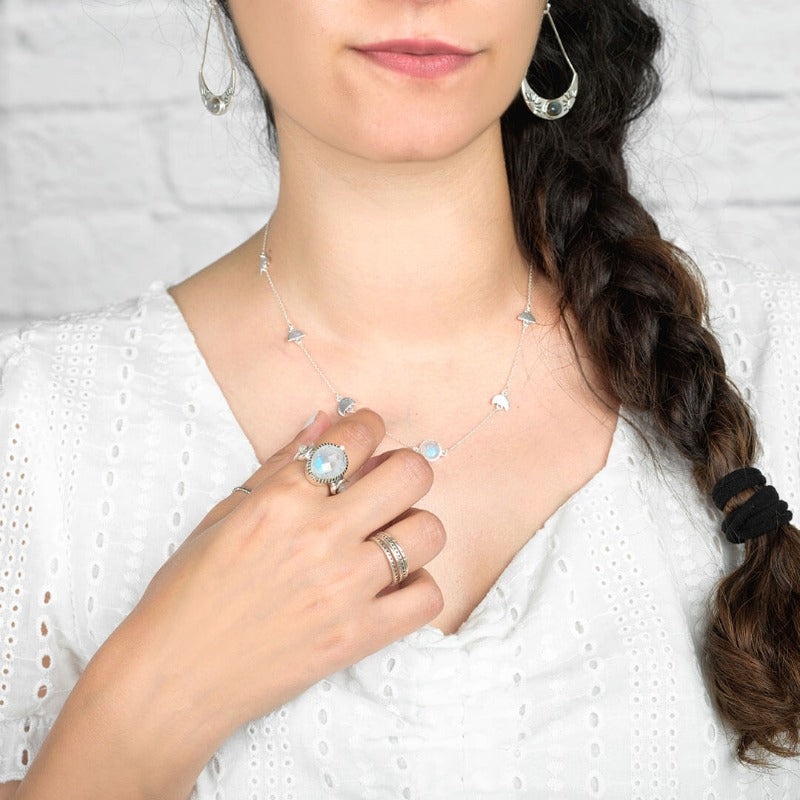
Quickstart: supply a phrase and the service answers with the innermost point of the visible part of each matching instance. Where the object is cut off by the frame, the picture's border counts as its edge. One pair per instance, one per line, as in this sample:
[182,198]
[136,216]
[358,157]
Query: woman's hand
[276,589]
[270,593]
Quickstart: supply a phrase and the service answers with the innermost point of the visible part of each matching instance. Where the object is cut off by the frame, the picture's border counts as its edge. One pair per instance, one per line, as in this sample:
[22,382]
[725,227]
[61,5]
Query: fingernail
[311,420]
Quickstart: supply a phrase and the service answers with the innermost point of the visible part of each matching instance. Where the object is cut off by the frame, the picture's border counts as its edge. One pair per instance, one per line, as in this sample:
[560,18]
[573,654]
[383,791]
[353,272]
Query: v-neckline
[429,633]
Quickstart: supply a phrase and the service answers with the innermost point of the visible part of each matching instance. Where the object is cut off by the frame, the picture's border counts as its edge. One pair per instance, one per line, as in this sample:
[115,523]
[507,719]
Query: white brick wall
[113,174]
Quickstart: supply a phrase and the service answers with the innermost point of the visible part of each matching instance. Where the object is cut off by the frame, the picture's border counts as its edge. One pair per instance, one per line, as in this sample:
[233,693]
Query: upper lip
[416,46]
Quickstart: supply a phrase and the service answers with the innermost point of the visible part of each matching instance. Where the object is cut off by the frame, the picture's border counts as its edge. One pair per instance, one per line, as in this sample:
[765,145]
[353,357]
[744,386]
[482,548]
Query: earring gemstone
[217,104]
[554,108]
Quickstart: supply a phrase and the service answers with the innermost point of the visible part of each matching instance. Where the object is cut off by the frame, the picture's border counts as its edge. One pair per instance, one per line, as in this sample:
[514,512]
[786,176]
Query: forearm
[122,733]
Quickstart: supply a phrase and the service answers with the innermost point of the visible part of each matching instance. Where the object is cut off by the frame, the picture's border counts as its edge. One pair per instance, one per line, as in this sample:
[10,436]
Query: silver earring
[556,107]
[217,104]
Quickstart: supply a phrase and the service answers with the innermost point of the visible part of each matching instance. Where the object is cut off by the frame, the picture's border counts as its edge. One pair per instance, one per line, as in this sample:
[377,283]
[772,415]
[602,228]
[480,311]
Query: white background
[112,174]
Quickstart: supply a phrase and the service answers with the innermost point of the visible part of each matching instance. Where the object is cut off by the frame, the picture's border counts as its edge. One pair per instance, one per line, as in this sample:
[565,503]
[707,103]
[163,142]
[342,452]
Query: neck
[396,254]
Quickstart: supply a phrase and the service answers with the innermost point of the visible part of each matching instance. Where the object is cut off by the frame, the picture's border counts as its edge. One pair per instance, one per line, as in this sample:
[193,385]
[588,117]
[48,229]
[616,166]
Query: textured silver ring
[397,552]
[242,489]
[394,554]
[326,464]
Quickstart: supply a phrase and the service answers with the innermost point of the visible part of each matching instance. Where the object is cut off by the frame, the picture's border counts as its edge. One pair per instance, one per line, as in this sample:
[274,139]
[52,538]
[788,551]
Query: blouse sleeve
[38,653]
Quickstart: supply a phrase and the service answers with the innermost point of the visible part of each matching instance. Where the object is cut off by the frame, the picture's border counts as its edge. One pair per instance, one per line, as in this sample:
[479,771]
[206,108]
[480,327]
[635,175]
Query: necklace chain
[429,448]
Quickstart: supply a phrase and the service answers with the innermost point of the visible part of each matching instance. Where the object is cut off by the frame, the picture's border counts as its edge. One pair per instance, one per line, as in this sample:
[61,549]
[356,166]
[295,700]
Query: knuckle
[316,535]
[274,488]
[268,505]
[373,420]
[432,600]
[360,434]
[432,529]
[415,467]
[328,590]
[317,594]
[341,639]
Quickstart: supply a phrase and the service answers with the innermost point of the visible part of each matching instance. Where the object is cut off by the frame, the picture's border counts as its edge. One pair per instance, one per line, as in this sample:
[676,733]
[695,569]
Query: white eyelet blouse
[577,676]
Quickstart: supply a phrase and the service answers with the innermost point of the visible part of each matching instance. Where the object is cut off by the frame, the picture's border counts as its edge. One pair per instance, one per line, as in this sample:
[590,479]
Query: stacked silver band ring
[242,489]
[326,463]
[398,562]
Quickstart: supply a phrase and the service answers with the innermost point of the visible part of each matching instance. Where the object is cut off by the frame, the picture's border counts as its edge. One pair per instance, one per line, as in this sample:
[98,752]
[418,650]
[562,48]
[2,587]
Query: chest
[492,492]
[493,500]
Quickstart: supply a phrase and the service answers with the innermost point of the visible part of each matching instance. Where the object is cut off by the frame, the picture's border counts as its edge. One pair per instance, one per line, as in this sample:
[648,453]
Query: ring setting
[326,463]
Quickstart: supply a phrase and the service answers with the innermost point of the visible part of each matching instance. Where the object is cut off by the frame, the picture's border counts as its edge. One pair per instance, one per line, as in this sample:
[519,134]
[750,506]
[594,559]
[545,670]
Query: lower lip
[431,66]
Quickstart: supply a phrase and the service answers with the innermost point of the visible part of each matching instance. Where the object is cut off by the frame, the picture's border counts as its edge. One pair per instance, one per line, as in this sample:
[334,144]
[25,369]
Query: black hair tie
[764,512]
[734,482]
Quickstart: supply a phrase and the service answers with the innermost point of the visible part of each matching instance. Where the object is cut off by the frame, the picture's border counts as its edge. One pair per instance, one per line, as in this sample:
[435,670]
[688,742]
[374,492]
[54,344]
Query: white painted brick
[761,149]
[769,234]
[68,263]
[79,53]
[719,150]
[68,159]
[752,47]
[202,237]
[56,267]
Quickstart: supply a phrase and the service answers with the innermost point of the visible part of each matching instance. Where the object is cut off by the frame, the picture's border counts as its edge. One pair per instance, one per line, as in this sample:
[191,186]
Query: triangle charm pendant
[526,318]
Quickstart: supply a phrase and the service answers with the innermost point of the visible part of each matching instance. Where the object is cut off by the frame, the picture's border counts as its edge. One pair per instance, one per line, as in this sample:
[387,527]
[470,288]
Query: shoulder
[754,311]
[750,301]
[66,359]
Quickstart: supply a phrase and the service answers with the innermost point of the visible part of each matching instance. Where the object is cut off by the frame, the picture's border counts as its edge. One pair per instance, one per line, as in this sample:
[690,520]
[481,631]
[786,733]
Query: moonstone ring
[326,463]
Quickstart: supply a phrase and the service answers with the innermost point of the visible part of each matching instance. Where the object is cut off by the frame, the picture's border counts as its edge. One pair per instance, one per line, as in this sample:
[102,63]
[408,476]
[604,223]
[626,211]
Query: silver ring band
[394,555]
[242,489]
[339,485]
[397,552]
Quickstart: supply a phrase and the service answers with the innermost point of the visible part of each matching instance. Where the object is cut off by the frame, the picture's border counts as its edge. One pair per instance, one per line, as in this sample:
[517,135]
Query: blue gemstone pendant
[431,449]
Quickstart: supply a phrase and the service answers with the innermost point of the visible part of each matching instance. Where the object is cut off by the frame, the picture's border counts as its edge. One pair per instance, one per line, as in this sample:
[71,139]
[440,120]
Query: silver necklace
[430,448]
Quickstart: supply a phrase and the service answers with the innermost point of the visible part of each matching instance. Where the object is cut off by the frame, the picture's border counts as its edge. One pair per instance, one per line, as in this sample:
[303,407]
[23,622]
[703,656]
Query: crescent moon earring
[217,104]
[556,107]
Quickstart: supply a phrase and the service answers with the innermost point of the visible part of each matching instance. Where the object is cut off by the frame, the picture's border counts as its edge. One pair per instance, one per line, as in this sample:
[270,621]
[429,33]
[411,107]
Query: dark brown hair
[642,309]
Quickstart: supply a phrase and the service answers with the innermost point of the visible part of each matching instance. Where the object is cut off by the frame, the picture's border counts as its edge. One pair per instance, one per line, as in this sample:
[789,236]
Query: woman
[518,386]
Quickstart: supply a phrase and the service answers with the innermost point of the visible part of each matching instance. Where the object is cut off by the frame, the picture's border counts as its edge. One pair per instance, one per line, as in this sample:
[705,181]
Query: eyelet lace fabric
[576,676]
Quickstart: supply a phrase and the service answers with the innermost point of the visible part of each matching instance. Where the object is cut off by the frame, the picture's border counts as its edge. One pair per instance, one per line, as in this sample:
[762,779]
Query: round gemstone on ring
[328,463]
